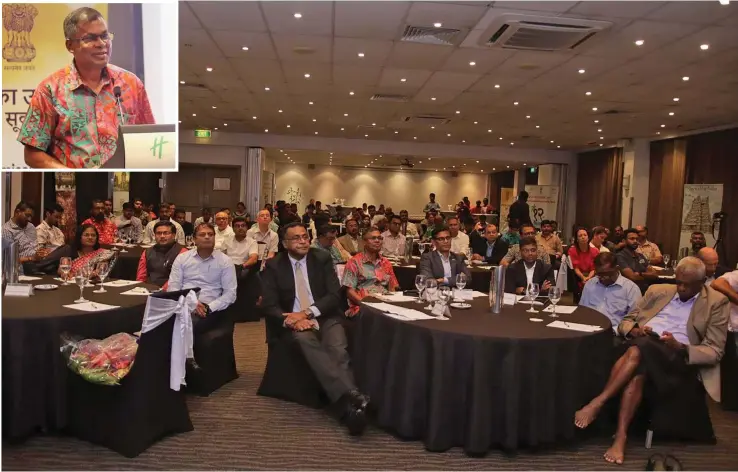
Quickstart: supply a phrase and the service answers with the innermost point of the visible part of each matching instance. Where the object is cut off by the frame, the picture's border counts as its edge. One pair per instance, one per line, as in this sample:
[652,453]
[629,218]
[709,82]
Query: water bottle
[408,249]
[497,288]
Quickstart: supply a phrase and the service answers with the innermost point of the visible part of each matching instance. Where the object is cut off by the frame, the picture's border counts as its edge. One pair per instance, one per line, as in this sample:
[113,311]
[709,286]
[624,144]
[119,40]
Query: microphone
[116,92]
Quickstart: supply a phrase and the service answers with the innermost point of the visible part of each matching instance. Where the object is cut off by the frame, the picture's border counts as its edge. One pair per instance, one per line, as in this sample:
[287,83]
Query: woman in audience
[368,273]
[86,250]
[582,257]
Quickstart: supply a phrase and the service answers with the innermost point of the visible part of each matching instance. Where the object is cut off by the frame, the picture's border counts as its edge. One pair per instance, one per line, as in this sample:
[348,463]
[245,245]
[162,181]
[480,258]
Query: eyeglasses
[163,233]
[304,237]
[375,238]
[92,38]
[444,239]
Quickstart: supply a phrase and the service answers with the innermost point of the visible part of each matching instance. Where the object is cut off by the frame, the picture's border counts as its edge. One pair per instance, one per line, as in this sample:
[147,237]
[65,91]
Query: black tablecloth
[34,372]
[406,277]
[127,264]
[481,380]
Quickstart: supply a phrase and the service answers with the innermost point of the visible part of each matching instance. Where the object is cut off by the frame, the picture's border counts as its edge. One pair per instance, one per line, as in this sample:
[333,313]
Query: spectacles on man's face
[375,238]
[163,233]
[92,38]
[443,239]
[303,237]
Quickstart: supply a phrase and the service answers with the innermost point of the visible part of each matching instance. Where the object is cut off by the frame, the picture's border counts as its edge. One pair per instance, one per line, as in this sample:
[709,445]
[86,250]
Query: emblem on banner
[18,20]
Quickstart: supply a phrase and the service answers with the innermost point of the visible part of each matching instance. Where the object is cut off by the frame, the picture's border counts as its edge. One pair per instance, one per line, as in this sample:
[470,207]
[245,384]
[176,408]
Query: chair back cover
[161,307]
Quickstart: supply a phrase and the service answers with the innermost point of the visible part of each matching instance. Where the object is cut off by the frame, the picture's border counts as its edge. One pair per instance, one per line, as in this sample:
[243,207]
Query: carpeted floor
[236,429]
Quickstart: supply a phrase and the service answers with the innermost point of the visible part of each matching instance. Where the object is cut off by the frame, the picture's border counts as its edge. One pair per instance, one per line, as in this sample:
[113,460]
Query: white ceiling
[639,81]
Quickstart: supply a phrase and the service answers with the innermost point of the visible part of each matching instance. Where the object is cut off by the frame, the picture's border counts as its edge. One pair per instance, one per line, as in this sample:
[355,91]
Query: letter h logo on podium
[159,143]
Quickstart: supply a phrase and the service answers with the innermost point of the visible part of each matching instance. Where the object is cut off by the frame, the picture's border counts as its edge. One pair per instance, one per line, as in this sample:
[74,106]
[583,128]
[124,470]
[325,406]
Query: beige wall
[398,189]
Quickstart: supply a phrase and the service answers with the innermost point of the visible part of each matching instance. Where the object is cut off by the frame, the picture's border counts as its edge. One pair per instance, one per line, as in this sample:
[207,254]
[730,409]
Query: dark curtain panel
[712,158]
[499,180]
[89,186]
[665,193]
[145,185]
[49,189]
[599,188]
[31,185]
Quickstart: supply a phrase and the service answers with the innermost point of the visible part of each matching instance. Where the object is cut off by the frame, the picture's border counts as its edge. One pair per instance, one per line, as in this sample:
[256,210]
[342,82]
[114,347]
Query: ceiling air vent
[386,97]
[430,35]
[539,33]
[425,120]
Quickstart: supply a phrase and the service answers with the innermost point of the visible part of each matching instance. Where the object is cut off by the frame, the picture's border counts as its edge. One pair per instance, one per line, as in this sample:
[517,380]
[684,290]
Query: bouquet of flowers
[100,361]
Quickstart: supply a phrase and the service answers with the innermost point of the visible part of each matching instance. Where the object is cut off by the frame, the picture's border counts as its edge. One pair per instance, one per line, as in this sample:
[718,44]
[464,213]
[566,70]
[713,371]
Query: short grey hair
[80,15]
[691,266]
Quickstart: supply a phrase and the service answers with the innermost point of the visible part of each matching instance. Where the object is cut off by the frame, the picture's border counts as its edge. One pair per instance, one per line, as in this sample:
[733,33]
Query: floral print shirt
[106,230]
[369,278]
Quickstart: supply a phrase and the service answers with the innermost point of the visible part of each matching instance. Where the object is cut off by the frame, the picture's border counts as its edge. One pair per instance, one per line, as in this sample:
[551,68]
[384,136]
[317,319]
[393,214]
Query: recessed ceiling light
[266,130]
[314,120]
[361,54]
[280,111]
[587,93]
[508,167]
[663,126]
[181,81]
[477,162]
[458,112]
[724,2]
[497,85]
[597,121]
[253,117]
[515,103]
[448,134]
[366,135]
[525,164]
[316,132]
[216,128]
[310,103]
[225,124]
[658,132]
[527,117]
[537,126]
[194,114]
[351,92]
[267,89]
[476,122]
[374,124]
[599,130]
[245,48]
[489,131]
[582,71]
[639,42]
[396,132]
[297,15]
[288,126]
[552,141]
[437,25]
[453,167]
[494,168]
[472,63]
[209,69]
[415,137]
[433,127]
[705,47]
[433,98]
[345,114]
[594,108]
[685,78]
[180,121]
[602,137]
[342,129]
[512,144]
[676,99]
[671,113]
[601,145]
[500,138]
[558,146]
[403,79]
[307,76]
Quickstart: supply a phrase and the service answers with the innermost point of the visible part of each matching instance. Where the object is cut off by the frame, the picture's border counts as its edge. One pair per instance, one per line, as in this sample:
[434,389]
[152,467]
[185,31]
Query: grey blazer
[431,266]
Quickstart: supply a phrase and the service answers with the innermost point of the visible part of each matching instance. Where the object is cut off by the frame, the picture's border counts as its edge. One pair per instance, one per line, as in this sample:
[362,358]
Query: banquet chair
[131,417]
[729,374]
[215,357]
[248,292]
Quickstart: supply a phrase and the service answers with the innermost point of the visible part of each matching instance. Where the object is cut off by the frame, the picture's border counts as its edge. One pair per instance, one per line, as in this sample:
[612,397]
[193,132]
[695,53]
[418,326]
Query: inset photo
[90,86]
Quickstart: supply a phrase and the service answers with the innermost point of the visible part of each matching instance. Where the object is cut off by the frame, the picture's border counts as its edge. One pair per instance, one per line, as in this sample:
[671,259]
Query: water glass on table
[420,285]
[81,278]
[431,287]
[532,293]
[667,258]
[65,265]
[554,295]
[103,269]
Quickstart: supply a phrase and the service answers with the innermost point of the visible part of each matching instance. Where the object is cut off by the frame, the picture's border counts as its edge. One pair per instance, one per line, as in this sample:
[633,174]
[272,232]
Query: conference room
[90,86]
[440,230]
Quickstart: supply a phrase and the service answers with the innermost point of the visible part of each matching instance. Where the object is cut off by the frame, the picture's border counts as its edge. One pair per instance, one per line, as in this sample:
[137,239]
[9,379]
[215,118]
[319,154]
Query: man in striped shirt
[20,229]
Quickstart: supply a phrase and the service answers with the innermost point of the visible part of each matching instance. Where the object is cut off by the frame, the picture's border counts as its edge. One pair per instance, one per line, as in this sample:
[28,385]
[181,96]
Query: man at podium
[74,114]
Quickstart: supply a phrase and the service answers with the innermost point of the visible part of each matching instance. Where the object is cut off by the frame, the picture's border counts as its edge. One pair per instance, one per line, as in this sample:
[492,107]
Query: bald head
[222,220]
[709,257]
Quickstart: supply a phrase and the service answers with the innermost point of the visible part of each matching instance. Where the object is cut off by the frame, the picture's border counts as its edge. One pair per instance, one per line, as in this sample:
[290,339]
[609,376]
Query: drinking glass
[421,248]
[667,258]
[554,294]
[431,287]
[444,295]
[533,291]
[80,278]
[116,238]
[65,265]
[674,264]
[420,285]
[461,280]
[103,269]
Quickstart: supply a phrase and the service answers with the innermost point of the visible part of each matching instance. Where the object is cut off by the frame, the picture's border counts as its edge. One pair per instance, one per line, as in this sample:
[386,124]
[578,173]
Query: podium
[145,147]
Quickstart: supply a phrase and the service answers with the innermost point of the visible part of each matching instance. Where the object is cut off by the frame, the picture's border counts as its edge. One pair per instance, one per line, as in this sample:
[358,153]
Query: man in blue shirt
[609,292]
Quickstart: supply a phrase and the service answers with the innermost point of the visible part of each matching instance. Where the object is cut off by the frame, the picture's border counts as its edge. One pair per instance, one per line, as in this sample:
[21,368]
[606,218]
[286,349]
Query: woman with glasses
[368,273]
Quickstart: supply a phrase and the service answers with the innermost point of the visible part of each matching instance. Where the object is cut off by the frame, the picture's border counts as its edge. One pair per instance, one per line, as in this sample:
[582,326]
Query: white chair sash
[562,280]
[158,310]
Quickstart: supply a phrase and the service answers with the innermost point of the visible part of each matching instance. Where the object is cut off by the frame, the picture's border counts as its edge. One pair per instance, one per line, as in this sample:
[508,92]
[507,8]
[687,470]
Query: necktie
[303,296]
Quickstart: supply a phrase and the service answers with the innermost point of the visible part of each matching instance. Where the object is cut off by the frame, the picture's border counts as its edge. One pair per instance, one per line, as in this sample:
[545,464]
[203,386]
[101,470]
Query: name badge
[18,290]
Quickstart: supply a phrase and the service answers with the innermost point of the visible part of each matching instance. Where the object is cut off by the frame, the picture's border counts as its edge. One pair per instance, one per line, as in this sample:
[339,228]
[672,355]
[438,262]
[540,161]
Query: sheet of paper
[91,306]
[121,283]
[667,276]
[137,291]
[395,297]
[146,246]
[27,278]
[562,309]
[574,326]
[487,267]
[510,299]
[463,294]
[405,313]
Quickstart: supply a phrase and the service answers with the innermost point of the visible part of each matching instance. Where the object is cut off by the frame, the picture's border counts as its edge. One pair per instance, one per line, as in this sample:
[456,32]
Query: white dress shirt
[215,276]
[222,236]
[149,232]
[270,238]
[601,248]
[446,262]
[49,236]
[303,268]
[393,245]
[239,251]
[460,244]
[673,318]
[732,279]
[529,272]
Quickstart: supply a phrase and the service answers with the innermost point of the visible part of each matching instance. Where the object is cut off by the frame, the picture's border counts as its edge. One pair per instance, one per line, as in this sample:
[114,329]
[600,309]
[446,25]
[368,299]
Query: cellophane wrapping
[100,361]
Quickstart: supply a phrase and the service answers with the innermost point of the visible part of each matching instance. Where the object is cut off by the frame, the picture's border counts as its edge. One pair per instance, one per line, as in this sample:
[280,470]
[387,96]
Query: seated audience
[491,248]
[713,269]
[551,243]
[309,309]
[674,332]
[394,242]
[129,227]
[366,222]
[436,222]
[647,248]
[697,241]
[211,271]
[48,234]
[351,241]
[242,250]
[582,257]
[527,230]
[326,241]
[634,265]
[139,212]
[727,284]
[206,217]
[459,240]
[20,229]
[477,208]
[407,228]
[599,234]
[616,241]
[443,264]
[487,207]
[180,217]
[530,269]
[108,202]
[609,292]
[307,217]
[156,262]
[368,273]
[512,236]
[266,238]
[165,214]
[381,222]
[105,228]
[223,230]
[86,250]
[241,210]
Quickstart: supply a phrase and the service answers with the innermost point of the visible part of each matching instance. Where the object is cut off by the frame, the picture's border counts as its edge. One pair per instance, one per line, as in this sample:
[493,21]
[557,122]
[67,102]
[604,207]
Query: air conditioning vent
[386,97]
[539,33]
[425,120]
[429,35]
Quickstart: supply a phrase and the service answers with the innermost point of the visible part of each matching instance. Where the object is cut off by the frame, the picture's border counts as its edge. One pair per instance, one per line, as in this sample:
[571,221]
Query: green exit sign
[203,133]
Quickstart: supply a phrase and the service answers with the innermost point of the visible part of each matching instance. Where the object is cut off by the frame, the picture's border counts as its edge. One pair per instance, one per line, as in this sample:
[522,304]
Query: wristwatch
[309,313]
[207,309]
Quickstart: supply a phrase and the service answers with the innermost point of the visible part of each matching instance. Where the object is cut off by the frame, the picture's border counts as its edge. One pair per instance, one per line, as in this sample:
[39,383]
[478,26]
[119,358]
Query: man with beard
[407,228]
[459,240]
[164,215]
[206,217]
[20,229]
[530,269]
[48,234]
[648,248]
[156,262]
[697,241]
[351,241]
[634,265]
[129,227]
[616,241]
[551,243]
[140,212]
[106,229]
[109,208]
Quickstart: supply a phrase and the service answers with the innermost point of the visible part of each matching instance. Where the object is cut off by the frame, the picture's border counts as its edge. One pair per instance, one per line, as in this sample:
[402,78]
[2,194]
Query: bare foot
[585,416]
[616,453]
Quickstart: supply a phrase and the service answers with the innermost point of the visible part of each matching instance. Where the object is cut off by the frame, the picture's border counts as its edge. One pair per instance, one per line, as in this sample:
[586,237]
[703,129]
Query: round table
[481,380]
[127,264]
[34,371]
[406,273]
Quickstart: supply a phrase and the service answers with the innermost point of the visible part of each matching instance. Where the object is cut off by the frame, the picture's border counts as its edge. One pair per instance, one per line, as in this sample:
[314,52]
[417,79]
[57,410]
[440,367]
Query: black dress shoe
[358,399]
[190,363]
[355,419]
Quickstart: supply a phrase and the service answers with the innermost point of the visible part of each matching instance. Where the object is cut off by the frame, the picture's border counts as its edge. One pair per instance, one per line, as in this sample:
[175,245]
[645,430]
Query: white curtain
[159,310]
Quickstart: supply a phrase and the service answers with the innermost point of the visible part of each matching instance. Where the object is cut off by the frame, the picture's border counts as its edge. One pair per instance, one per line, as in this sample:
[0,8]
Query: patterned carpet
[235,429]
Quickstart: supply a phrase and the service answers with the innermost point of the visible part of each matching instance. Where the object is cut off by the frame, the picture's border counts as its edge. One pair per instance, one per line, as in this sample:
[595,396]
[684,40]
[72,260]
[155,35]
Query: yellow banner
[33,48]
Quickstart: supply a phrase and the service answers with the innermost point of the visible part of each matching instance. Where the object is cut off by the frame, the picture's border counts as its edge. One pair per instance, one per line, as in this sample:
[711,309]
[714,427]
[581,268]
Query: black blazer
[431,266]
[515,276]
[278,283]
[479,246]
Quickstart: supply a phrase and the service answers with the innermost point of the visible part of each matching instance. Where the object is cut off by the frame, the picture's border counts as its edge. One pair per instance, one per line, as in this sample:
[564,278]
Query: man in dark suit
[442,264]
[490,248]
[529,269]
[301,292]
